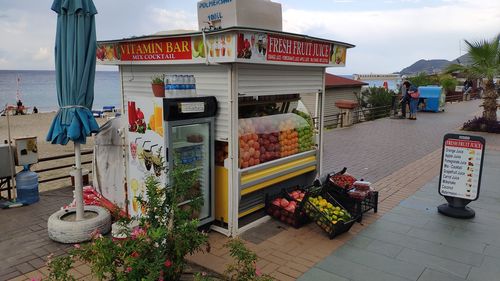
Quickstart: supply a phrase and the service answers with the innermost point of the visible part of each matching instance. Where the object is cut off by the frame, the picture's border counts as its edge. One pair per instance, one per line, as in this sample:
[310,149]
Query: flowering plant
[244,267]
[156,247]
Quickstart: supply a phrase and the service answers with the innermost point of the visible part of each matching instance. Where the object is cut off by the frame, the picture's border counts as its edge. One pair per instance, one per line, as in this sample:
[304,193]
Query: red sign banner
[297,50]
[159,49]
[464,143]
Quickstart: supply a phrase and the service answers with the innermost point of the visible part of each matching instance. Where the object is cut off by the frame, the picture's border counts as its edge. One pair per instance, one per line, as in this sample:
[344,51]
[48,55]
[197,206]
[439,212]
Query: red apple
[284,203]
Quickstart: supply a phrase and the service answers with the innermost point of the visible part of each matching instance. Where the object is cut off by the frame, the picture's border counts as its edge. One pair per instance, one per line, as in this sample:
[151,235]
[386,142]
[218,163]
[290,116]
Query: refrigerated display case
[189,139]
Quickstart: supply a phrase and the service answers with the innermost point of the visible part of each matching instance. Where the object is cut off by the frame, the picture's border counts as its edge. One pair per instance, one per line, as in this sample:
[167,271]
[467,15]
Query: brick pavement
[392,149]
[371,150]
[413,241]
[292,252]
[24,243]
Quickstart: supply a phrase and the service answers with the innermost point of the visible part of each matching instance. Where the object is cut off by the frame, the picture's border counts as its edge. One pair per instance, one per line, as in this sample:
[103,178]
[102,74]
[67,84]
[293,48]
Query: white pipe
[205,46]
[78,183]
[12,172]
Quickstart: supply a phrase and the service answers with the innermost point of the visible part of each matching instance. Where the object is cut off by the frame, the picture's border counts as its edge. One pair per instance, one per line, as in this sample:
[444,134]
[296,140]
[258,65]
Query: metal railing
[5,183]
[370,113]
[359,115]
[454,96]
[59,157]
[330,121]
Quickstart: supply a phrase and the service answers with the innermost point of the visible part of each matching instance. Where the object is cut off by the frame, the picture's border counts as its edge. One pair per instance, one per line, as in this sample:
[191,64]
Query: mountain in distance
[433,66]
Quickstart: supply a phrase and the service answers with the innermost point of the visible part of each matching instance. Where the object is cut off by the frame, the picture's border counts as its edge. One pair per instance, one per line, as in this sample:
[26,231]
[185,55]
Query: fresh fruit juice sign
[461,166]
[297,50]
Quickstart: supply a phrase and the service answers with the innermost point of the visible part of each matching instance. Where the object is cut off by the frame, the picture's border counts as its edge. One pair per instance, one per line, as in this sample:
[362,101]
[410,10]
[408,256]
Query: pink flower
[128,269]
[137,232]
[134,254]
[258,272]
[77,246]
[168,263]
[96,234]
[36,279]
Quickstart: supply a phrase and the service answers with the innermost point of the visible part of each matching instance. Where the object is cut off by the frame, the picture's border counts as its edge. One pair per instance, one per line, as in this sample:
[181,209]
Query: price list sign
[461,166]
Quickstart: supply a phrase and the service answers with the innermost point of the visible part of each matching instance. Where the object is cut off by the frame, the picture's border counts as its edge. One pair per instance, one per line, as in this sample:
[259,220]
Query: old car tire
[78,231]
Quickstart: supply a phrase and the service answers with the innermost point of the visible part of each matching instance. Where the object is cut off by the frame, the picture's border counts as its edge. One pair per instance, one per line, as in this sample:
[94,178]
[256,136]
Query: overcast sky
[389,34]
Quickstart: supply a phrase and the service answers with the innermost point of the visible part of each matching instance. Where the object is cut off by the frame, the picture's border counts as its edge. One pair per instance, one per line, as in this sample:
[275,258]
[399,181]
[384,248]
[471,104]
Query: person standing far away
[404,96]
[35,110]
[467,89]
[413,98]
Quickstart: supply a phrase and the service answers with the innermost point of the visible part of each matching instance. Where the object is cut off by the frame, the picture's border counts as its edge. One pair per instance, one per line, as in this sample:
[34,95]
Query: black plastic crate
[297,218]
[341,186]
[315,214]
[355,206]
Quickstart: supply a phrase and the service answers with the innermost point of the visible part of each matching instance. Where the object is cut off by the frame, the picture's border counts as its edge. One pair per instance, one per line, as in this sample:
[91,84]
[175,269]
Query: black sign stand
[457,206]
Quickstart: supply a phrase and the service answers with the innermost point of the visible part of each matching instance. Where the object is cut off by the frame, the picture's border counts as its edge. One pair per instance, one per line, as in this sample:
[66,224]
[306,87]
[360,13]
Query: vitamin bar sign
[297,50]
[160,49]
[461,166]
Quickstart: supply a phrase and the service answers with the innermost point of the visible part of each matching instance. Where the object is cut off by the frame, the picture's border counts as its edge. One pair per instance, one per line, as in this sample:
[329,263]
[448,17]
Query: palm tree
[485,57]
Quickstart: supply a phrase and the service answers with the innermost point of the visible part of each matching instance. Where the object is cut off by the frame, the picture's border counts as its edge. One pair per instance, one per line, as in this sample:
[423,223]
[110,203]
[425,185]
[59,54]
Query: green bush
[378,100]
[448,83]
[155,249]
[423,79]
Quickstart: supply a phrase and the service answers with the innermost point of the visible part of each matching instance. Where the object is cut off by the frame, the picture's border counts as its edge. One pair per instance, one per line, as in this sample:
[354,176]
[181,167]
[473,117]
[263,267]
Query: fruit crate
[321,219]
[342,181]
[296,218]
[356,207]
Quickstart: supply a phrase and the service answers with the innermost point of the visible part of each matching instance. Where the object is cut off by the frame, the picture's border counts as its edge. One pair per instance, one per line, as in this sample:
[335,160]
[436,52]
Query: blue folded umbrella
[75,50]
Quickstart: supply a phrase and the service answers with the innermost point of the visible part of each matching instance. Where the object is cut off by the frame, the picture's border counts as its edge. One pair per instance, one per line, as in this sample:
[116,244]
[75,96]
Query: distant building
[336,88]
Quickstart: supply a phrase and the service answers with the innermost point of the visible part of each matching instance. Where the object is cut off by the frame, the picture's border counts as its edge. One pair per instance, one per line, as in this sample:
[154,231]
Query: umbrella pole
[78,183]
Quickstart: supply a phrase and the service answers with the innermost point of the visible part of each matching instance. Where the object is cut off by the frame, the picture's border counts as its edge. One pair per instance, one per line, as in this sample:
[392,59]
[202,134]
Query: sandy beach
[38,125]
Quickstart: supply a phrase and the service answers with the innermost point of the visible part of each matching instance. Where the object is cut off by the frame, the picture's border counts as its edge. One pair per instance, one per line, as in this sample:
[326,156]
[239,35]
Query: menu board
[461,165]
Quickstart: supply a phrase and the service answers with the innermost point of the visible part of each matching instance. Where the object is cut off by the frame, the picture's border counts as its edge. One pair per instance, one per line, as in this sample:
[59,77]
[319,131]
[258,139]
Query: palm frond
[485,56]
[454,68]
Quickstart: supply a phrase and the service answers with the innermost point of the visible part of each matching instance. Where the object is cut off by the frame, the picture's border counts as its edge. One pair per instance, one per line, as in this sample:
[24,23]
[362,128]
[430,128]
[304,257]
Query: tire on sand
[78,231]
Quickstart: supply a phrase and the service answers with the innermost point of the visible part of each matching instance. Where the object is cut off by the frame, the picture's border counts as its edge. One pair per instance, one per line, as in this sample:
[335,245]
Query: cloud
[42,54]
[171,20]
[4,63]
[389,40]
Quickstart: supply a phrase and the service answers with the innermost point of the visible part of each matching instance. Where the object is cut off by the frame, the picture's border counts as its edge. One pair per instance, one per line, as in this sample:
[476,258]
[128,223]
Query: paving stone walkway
[413,241]
[24,243]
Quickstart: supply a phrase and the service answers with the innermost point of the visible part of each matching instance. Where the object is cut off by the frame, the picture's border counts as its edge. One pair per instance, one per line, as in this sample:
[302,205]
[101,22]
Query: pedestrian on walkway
[414,96]
[405,99]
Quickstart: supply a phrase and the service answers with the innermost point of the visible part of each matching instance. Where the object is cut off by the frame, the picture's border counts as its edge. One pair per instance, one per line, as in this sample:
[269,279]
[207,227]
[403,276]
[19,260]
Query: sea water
[38,88]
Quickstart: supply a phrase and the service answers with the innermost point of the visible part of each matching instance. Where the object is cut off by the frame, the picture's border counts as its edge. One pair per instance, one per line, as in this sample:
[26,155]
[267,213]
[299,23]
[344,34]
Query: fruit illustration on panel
[134,186]
[155,122]
[198,48]
[101,52]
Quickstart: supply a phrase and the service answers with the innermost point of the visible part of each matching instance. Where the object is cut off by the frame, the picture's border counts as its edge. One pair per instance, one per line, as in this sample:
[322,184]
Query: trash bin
[432,97]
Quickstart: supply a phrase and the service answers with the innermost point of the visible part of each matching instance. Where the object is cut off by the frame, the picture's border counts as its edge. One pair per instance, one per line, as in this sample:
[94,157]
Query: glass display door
[191,147]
